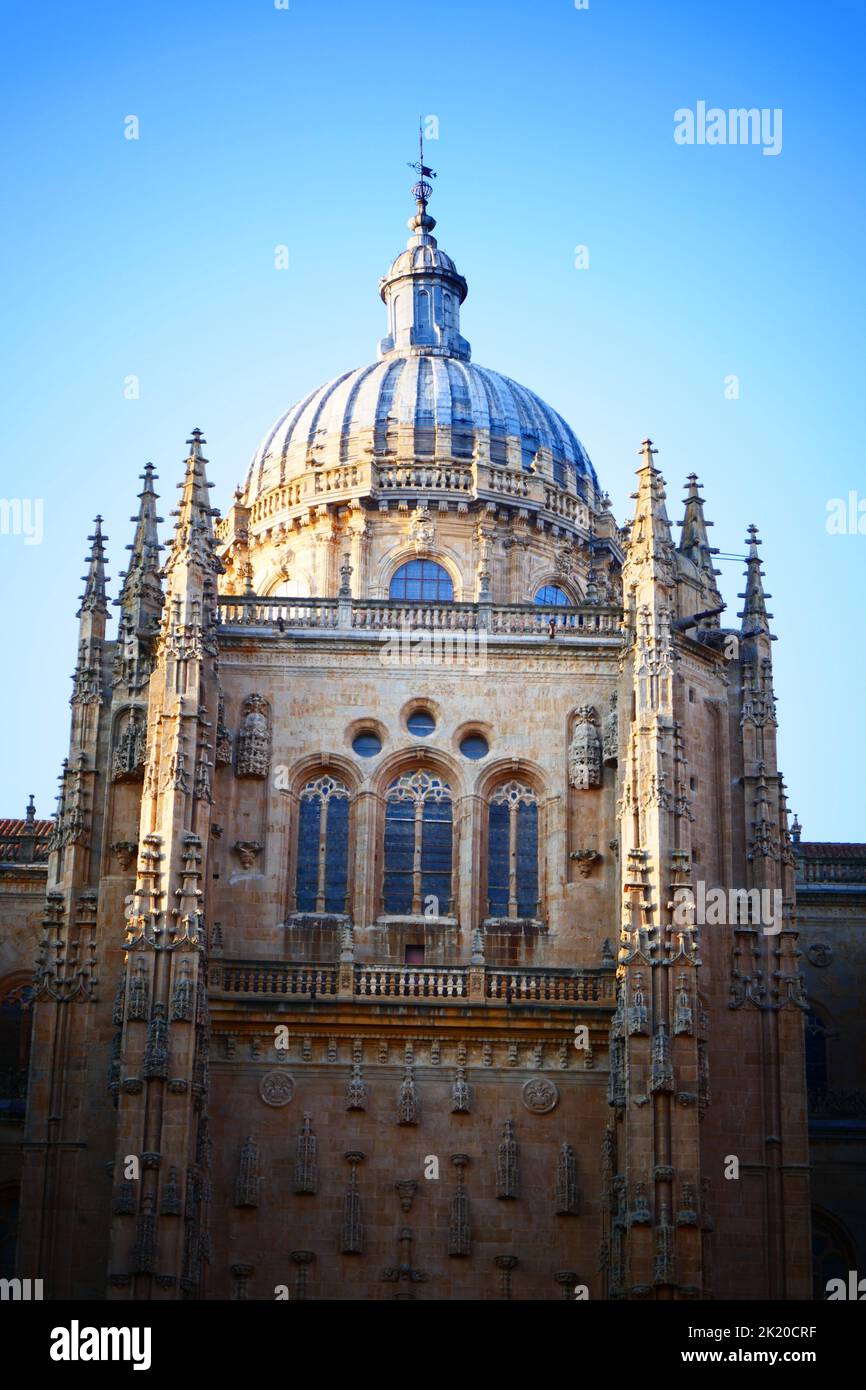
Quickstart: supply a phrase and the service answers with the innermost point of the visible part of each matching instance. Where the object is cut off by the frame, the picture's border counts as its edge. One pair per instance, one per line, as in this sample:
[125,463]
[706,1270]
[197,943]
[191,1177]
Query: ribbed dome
[424,398]
[423,405]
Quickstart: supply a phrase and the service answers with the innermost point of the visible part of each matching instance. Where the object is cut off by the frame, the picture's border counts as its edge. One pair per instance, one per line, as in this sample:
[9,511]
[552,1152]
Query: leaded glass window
[321,882]
[418,846]
[422,579]
[512,852]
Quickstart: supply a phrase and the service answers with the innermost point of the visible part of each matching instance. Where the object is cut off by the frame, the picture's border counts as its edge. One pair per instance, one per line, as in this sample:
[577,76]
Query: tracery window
[418,845]
[321,880]
[512,852]
[422,579]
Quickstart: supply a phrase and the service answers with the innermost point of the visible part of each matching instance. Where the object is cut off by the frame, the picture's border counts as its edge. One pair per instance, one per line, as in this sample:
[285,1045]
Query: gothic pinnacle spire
[194,534]
[754,613]
[694,541]
[93,599]
[141,578]
[650,537]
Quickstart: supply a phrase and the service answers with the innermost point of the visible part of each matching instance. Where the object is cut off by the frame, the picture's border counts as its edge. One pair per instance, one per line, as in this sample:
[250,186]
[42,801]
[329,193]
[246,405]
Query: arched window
[321,882]
[418,823]
[422,579]
[552,594]
[15,997]
[512,852]
[816,1052]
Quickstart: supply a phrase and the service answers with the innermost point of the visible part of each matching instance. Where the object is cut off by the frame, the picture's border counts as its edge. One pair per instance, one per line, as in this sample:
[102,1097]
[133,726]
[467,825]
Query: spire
[754,615]
[193,542]
[650,538]
[93,599]
[694,542]
[141,584]
[423,289]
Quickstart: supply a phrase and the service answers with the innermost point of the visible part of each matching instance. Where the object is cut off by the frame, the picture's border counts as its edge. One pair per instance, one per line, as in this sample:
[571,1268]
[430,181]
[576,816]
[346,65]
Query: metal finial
[422,189]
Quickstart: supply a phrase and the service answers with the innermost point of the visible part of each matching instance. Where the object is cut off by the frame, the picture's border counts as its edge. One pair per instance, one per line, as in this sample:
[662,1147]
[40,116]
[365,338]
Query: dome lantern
[423,289]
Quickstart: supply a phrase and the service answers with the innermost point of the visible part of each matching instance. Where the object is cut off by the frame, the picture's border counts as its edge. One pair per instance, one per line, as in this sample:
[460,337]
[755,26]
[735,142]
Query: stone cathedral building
[363,969]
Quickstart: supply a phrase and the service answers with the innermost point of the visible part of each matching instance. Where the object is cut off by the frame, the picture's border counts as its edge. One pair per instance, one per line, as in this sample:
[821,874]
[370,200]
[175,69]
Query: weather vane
[422,188]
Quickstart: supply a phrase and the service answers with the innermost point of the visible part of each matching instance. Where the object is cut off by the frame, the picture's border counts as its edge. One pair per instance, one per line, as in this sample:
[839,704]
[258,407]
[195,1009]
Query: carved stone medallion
[540,1095]
[276,1088]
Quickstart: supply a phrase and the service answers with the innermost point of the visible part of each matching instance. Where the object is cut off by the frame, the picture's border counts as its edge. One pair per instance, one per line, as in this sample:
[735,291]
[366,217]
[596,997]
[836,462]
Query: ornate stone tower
[377,961]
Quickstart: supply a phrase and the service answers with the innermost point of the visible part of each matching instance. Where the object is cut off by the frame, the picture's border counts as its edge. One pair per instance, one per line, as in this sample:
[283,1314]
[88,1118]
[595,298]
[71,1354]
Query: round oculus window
[474,746]
[367,744]
[420,723]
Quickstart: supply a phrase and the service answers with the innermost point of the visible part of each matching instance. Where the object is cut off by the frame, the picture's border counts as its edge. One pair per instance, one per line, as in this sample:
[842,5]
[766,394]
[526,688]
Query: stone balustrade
[381,478]
[439,984]
[379,615]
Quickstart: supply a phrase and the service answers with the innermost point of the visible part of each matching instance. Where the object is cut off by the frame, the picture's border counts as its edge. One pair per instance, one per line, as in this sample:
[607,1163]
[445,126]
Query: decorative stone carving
[254,739]
[540,1095]
[407,1189]
[182,995]
[610,741]
[408,1104]
[616,1089]
[156,1047]
[567,1195]
[683,1018]
[356,1089]
[124,853]
[144,1249]
[139,992]
[459,1232]
[247,851]
[640,1214]
[248,1182]
[352,1231]
[662,1075]
[584,754]
[422,529]
[505,1264]
[403,1272]
[507,1175]
[638,1018]
[124,1198]
[665,1254]
[276,1088]
[128,759]
[306,1167]
[586,860]
[461,1094]
[819,954]
[223,737]
[170,1203]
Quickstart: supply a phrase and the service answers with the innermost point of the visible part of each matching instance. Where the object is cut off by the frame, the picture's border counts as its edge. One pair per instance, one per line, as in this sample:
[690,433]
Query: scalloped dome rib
[405,402]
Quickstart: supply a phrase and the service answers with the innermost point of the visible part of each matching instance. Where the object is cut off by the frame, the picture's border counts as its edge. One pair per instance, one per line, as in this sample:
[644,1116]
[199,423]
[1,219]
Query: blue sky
[259,127]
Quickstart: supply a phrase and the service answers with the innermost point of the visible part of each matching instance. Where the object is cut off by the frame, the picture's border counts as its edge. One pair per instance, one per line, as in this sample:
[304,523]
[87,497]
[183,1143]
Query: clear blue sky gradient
[261,126]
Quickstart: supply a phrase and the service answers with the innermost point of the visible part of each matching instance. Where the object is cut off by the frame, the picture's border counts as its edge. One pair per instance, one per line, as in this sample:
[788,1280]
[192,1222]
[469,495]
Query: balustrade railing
[378,615]
[403,982]
[322,981]
[279,979]
[548,986]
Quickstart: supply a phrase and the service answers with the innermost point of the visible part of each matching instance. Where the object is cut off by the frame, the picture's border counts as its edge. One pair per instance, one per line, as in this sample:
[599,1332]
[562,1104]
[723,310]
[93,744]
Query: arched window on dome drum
[321,880]
[422,580]
[512,852]
[551,595]
[418,846]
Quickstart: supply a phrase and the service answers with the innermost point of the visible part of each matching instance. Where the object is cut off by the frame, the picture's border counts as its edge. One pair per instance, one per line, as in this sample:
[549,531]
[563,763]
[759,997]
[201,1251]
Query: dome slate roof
[417,403]
[423,398]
